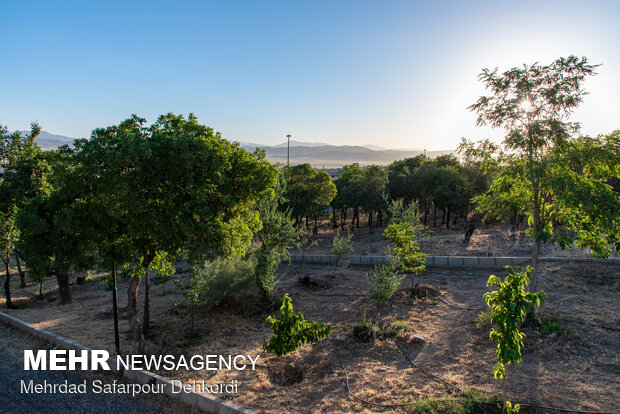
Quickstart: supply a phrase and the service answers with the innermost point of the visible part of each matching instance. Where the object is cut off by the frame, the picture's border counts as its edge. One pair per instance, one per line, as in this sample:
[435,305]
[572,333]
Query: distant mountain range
[315,153]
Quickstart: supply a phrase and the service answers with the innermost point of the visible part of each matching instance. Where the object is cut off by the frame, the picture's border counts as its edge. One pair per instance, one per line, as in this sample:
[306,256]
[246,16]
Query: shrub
[383,282]
[231,280]
[364,330]
[341,245]
[292,330]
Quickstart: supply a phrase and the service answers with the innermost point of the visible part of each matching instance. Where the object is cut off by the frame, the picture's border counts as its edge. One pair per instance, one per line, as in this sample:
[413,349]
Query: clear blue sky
[398,74]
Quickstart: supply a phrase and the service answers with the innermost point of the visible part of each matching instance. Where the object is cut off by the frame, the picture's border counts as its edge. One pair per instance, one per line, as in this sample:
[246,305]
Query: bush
[383,282]
[230,281]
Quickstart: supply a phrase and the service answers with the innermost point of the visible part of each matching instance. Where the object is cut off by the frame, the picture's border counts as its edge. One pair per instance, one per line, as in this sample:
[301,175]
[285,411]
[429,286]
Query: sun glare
[526,105]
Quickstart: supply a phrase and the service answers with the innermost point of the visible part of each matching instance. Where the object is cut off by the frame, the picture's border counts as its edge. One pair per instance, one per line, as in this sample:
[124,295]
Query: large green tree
[23,175]
[136,192]
[308,191]
[373,186]
[559,180]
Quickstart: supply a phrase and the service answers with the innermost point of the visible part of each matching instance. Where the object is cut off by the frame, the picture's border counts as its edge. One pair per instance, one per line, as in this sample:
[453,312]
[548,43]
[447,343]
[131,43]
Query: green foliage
[277,235]
[341,245]
[8,234]
[308,191]
[383,281]
[164,264]
[557,180]
[292,330]
[195,291]
[509,305]
[404,231]
[365,330]
[230,281]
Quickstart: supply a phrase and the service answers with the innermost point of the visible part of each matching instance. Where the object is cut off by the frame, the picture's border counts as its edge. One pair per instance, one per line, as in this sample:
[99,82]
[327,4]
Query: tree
[23,172]
[383,282]
[341,245]
[404,231]
[292,330]
[349,192]
[277,235]
[308,191]
[509,305]
[403,183]
[173,186]
[373,187]
[533,104]
[8,237]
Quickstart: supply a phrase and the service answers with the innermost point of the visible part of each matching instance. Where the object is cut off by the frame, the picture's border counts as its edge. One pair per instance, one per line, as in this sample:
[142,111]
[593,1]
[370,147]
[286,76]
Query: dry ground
[490,240]
[556,370]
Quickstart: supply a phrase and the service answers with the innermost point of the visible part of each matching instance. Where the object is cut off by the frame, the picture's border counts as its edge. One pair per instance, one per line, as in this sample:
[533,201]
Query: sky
[397,74]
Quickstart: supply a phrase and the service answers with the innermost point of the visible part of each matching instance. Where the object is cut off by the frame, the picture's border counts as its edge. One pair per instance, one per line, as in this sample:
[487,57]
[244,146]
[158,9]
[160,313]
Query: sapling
[341,245]
[509,306]
[383,281]
[195,291]
[292,330]
[404,230]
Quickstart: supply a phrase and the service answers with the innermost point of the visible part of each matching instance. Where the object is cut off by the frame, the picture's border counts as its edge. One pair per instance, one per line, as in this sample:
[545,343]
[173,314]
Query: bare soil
[557,370]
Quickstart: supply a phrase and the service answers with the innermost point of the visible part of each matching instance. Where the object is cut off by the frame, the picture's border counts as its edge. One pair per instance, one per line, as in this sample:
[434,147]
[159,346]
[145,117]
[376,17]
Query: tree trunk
[357,216]
[62,278]
[380,218]
[425,213]
[7,287]
[132,307]
[316,226]
[448,218]
[307,224]
[334,219]
[22,274]
[343,218]
[443,217]
[371,222]
[434,216]
[41,290]
[146,318]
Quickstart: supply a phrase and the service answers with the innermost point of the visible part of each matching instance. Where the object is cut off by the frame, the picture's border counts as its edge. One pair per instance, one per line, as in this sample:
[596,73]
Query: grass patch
[365,331]
[470,402]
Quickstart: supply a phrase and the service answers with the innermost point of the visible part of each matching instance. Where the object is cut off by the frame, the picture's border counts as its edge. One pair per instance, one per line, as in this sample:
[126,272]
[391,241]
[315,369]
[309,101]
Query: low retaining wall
[204,402]
[447,261]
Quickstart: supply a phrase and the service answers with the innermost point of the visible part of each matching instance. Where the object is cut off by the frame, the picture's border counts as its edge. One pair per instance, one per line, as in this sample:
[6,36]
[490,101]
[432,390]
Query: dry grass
[556,371]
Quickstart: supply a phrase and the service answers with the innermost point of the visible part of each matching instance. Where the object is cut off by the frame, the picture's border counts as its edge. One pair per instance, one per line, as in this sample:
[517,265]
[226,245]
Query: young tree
[383,281]
[341,245]
[404,231]
[292,330]
[509,305]
[533,104]
[277,235]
